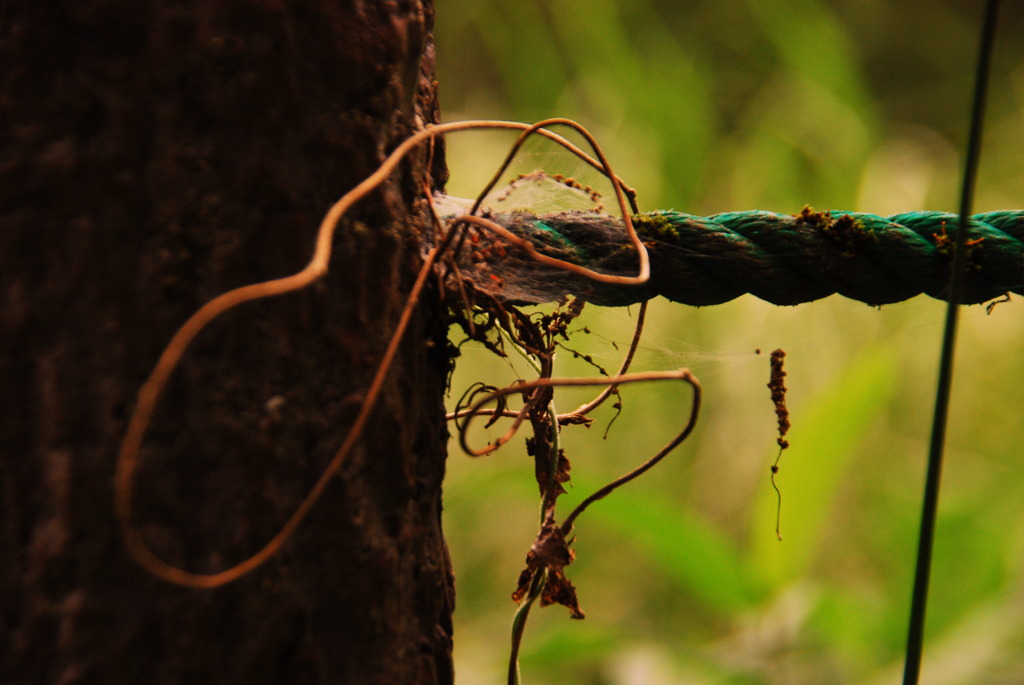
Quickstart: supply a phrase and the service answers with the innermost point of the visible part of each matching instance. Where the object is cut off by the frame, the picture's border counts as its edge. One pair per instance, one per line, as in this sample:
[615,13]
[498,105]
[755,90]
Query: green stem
[548,502]
[519,624]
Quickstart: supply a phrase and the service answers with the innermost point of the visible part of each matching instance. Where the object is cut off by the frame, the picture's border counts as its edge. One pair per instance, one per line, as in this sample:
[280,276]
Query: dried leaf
[550,551]
[560,591]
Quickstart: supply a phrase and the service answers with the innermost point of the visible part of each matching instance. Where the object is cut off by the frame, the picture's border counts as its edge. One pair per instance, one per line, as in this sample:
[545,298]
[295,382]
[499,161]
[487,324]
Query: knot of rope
[781,258]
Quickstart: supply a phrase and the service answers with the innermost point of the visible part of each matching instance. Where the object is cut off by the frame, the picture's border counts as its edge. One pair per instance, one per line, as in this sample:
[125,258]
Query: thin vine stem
[679,374]
[519,624]
[691,423]
[639,377]
[547,503]
[638,330]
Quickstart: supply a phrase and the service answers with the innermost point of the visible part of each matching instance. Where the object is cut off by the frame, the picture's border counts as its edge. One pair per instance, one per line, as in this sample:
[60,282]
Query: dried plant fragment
[777,384]
[550,551]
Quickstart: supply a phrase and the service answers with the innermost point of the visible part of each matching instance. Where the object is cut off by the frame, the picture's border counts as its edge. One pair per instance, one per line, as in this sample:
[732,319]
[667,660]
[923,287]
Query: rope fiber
[783,259]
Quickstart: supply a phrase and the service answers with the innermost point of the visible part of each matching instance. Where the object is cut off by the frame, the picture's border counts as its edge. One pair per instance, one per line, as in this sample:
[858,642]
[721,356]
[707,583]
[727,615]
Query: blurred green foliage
[707,107]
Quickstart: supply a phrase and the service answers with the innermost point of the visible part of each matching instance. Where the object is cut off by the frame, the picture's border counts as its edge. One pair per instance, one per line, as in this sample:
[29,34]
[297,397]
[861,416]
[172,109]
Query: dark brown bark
[153,155]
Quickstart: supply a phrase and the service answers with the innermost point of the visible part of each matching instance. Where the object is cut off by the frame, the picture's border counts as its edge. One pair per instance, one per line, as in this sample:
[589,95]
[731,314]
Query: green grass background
[708,107]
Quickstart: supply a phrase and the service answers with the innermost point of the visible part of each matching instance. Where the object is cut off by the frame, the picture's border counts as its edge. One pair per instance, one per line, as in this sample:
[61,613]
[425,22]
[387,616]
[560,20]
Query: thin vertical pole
[922,571]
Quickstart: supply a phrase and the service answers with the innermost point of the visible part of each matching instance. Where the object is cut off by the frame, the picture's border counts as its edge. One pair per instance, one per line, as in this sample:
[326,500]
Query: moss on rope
[785,259]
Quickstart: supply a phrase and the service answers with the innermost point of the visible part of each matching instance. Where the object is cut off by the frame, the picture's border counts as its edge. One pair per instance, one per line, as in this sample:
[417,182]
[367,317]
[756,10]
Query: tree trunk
[153,155]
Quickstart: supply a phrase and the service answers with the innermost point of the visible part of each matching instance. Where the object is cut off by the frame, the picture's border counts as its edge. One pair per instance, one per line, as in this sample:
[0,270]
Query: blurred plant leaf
[688,549]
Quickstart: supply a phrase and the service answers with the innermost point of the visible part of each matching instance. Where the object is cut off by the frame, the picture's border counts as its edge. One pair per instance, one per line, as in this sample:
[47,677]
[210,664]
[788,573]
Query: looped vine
[316,268]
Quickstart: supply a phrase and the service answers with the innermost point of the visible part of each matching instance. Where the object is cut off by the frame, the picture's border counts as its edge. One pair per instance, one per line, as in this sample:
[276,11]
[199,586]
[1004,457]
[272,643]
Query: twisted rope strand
[781,258]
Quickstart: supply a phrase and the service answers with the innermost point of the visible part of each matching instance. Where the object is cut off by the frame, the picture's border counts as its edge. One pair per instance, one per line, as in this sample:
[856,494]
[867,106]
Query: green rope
[783,259]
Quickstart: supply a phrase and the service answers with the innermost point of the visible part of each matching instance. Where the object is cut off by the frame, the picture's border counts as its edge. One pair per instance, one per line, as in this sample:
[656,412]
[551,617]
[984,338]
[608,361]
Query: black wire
[922,570]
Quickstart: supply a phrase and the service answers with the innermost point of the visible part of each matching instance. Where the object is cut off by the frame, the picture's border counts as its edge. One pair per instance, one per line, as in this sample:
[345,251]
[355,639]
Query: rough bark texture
[153,155]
